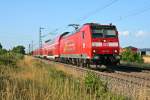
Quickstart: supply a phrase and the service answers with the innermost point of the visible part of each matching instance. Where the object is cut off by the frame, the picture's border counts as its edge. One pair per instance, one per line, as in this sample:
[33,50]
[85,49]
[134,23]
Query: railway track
[134,79]
[134,76]
[124,78]
[135,67]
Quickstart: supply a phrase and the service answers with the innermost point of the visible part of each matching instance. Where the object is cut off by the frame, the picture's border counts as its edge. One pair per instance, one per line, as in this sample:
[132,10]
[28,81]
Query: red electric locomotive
[91,44]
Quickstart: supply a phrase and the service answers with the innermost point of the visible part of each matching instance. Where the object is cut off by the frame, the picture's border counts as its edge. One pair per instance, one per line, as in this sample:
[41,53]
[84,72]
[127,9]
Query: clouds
[138,38]
[139,33]
[125,33]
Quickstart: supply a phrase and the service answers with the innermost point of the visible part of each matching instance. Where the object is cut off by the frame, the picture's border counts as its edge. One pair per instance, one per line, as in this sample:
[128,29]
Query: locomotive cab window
[103,33]
[110,33]
[97,34]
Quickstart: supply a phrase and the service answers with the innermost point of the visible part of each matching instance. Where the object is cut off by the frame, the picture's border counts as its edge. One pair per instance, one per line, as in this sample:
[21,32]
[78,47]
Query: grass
[31,79]
[140,65]
[146,59]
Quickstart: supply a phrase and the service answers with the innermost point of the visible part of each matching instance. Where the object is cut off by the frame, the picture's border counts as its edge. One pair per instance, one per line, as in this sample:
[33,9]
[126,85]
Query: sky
[20,19]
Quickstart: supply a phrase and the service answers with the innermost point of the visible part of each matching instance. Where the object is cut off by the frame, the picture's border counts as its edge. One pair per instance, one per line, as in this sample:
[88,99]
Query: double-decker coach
[91,44]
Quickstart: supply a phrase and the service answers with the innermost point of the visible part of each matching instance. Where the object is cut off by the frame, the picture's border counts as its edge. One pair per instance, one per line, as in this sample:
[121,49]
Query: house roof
[131,47]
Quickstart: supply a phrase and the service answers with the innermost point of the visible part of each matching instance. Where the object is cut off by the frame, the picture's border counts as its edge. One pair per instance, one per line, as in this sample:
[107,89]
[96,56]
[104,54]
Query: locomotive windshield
[106,33]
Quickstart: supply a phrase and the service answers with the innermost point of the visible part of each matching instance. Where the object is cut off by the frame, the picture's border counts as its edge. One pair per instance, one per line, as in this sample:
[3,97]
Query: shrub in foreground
[9,58]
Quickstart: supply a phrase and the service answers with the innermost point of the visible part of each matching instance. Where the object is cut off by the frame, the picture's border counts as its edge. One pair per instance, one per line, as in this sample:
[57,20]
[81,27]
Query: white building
[145,51]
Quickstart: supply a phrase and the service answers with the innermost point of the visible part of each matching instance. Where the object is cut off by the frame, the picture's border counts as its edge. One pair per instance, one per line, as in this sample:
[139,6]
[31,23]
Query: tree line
[10,57]
[17,49]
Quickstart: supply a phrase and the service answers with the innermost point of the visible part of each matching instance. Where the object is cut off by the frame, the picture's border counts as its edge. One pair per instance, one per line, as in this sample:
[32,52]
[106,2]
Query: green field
[30,79]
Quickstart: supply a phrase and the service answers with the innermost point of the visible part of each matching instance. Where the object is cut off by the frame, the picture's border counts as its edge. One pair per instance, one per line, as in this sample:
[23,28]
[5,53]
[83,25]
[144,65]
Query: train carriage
[91,44]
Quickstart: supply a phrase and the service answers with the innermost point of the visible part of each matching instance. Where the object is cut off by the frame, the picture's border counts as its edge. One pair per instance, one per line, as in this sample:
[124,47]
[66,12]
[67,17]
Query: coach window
[83,35]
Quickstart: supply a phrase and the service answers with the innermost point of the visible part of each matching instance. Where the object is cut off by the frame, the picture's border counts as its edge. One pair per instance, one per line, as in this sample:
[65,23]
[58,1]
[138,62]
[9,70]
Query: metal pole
[29,49]
[40,39]
[32,47]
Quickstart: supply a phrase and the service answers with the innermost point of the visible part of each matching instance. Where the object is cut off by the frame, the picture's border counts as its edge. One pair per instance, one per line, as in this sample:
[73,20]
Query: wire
[139,12]
[133,14]
[89,14]
[50,33]
[98,10]
[83,18]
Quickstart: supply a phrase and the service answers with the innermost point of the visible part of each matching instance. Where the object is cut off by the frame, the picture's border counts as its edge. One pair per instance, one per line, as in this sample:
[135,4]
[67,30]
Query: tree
[19,49]
[1,46]
[3,51]
[130,56]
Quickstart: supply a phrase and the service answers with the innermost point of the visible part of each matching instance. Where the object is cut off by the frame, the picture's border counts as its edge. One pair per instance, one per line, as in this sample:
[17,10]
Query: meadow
[26,78]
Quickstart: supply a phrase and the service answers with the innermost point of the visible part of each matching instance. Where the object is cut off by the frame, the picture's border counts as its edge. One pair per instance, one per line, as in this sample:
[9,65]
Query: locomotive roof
[93,25]
[96,25]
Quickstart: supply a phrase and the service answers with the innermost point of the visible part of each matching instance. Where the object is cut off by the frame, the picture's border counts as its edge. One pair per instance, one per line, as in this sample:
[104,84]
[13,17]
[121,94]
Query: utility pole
[32,46]
[29,49]
[40,38]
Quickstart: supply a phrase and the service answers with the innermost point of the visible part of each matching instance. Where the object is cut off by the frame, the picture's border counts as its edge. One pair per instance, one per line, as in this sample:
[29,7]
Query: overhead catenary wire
[82,19]
[89,14]
[50,33]
[35,45]
[97,10]
[138,12]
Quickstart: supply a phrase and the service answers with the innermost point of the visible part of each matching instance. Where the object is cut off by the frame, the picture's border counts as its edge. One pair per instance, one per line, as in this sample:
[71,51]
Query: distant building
[121,50]
[145,51]
[134,49]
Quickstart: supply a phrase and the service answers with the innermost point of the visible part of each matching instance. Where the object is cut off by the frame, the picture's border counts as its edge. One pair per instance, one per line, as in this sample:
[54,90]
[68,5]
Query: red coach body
[51,49]
[77,45]
[91,44]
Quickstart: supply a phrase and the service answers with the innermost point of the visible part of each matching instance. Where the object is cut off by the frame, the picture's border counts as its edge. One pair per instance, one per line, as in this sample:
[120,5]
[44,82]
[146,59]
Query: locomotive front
[105,44]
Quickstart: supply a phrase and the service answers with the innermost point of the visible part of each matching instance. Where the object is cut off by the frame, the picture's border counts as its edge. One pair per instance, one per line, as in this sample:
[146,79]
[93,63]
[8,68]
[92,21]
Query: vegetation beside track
[130,56]
[145,66]
[23,77]
[146,59]
[31,79]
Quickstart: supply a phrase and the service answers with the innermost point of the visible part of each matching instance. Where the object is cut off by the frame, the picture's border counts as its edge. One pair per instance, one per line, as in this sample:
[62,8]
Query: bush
[94,84]
[3,51]
[19,49]
[130,56]
[10,58]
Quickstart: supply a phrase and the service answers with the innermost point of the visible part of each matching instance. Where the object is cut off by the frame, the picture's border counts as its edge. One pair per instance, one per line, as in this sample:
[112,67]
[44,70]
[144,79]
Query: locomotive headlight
[104,40]
[116,51]
[94,51]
